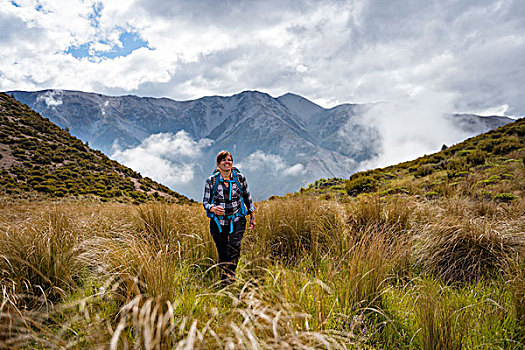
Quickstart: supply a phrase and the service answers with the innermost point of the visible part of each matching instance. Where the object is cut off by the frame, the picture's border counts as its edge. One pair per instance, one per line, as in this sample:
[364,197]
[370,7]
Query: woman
[227,201]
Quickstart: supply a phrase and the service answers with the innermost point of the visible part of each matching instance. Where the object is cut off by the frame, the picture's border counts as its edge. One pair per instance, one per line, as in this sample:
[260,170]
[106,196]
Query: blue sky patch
[97,12]
[131,41]
[15,4]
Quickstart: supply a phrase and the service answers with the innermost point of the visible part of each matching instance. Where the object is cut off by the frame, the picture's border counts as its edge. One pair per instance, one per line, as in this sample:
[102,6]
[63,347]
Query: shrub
[491,180]
[504,197]
[394,191]
[456,165]
[361,184]
[424,170]
[431,195]
[434,159]
[507,144]
[487,145]
[44,188]
[476,158]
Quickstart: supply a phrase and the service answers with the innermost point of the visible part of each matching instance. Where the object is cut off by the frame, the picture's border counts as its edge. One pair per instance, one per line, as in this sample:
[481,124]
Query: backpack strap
[235,175]
[243,211]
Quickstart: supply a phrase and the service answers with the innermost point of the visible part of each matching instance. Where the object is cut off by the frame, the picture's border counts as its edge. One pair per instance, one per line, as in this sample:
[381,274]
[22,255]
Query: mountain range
[280,143]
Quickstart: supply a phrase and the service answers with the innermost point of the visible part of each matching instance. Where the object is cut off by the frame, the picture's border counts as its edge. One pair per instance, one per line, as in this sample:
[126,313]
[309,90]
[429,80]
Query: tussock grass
[314,274]
[180,228]
[459,250]
[156,254]
[254,317]
[291,228]
[516,285]
[39,258]
[440,328]
[372,212]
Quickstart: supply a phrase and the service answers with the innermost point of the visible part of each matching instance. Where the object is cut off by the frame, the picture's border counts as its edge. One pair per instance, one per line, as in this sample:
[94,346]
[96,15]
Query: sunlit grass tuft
[459,250]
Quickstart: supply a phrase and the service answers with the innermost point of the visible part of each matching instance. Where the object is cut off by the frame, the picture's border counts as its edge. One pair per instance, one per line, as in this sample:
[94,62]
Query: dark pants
[228,246]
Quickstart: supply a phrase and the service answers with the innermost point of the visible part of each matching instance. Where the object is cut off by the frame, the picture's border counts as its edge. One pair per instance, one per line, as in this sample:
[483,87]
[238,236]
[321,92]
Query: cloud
[270,165]
[412,127]
[51,98]
[295,170]
[329,51]
[168,158]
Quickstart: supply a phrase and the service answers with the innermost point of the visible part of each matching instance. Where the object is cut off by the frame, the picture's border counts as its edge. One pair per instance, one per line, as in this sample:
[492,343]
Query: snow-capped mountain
[280,143]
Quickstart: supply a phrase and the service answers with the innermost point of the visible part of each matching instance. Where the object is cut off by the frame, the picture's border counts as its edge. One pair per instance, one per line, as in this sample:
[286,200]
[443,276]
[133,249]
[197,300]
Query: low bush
[504,197]
[507,144]
[424,170]
[361,184]
[476,158]
[487,145]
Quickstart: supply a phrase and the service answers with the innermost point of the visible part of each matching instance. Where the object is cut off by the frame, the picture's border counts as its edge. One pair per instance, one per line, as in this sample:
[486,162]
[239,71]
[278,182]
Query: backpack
[241,212]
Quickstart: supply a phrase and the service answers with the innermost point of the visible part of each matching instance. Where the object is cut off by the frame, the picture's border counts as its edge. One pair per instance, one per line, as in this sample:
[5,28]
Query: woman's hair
[222,155]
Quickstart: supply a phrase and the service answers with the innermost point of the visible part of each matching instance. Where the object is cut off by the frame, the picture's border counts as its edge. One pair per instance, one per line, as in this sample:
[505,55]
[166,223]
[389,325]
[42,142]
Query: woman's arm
[207,196]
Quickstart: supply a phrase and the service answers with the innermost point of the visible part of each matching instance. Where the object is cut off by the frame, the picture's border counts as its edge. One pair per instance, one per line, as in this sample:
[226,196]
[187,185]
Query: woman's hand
[252,223]
[217,210]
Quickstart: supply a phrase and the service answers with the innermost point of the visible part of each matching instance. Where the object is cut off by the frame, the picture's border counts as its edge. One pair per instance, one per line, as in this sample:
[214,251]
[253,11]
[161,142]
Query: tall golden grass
[371,273]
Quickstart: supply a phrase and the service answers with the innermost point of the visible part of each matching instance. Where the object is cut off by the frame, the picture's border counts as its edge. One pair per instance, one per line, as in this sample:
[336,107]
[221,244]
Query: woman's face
[226,164]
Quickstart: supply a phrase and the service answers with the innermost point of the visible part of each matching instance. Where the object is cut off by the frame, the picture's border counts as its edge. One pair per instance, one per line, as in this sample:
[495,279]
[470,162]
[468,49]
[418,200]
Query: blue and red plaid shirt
[222,196]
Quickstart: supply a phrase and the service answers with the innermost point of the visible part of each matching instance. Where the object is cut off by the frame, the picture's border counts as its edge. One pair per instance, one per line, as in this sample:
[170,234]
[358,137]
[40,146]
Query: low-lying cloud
[412,127]
[51,98]
[168,158]
[270,164]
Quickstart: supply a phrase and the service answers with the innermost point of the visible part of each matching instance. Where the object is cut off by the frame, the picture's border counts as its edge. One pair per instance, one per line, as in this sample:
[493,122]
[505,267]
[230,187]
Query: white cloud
[412,127]
[51,98]
[295,170]
[269,165]
[170,159]
[328,51]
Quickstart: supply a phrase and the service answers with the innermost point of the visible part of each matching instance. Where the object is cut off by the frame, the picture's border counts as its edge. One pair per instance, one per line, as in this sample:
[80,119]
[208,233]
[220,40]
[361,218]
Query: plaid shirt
[222,196]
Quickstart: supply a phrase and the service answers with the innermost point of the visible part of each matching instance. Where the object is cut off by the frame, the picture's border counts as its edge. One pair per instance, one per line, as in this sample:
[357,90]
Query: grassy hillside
[39,159]
[488,166]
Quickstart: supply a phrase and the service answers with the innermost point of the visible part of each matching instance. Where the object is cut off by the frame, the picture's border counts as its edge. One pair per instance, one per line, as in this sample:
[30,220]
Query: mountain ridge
[266,134]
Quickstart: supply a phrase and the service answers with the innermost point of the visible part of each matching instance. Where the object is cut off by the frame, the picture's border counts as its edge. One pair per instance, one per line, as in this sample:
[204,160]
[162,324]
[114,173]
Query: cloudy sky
[459,56]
